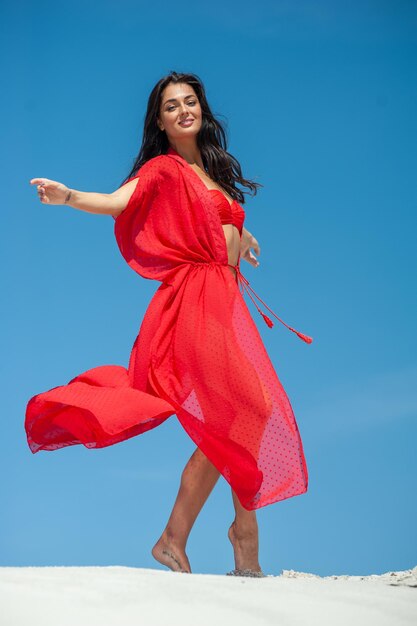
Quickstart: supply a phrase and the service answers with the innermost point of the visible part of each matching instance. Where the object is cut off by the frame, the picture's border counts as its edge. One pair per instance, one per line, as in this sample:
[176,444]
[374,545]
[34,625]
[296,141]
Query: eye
[172,107]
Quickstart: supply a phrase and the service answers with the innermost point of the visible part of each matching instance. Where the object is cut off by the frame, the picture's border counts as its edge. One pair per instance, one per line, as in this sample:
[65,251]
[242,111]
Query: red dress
[198,354]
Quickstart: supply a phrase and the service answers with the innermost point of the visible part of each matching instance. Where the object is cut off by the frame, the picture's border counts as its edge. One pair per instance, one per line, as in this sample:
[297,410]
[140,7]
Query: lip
[186,122]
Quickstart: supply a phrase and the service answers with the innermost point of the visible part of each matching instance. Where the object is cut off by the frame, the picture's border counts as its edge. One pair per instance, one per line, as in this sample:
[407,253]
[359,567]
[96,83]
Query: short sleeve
[149,176]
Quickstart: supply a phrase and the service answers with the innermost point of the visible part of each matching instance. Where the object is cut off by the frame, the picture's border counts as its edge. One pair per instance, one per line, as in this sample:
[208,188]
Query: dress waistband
[244,285]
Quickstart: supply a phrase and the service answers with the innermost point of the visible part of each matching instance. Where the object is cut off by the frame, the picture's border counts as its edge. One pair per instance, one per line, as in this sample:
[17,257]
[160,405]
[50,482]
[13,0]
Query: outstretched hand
[50,191]
[247,242]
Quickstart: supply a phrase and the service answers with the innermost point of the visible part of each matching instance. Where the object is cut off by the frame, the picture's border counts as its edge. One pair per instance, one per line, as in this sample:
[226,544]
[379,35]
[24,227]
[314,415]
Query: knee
[199,457]
[198,464]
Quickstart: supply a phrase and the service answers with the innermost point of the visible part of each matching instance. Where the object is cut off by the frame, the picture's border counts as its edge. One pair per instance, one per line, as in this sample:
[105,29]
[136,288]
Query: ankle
[244,530]
[171,538]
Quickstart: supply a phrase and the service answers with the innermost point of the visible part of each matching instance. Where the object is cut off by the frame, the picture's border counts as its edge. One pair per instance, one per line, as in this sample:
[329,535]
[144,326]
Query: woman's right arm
[53,192]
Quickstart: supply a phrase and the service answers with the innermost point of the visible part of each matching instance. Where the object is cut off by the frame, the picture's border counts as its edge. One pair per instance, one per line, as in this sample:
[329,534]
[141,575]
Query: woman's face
[180,112]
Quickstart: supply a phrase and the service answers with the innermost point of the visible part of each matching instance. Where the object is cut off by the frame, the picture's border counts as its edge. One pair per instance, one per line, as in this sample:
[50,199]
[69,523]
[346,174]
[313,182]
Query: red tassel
[305,338]
[268,321]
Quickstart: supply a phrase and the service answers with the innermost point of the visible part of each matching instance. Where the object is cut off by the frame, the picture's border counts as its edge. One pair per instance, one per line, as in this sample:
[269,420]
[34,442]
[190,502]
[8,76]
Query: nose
[184,111]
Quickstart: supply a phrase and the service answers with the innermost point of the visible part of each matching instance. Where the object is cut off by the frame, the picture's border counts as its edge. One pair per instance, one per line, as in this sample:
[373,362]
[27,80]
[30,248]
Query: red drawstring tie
[245,285]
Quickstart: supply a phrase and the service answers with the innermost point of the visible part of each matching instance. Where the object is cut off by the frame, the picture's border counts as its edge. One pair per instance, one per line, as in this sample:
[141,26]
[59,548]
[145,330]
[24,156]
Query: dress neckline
[172,151]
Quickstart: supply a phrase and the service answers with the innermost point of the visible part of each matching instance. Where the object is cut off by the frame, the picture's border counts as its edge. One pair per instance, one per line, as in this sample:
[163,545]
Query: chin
[181,132]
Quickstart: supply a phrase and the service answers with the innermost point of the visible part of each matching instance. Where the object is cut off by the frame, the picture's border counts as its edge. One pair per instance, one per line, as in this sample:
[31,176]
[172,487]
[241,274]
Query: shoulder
[159,175]
[159,166]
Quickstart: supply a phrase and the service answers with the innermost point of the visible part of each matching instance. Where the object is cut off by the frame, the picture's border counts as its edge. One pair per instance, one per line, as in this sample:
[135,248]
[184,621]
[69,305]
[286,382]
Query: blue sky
[320,101]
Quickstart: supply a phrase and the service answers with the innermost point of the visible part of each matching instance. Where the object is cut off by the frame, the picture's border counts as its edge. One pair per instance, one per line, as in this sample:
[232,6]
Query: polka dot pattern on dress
[198,353]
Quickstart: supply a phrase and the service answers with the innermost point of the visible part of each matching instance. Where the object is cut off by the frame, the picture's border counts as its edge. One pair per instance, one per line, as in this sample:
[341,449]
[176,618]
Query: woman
[198,353]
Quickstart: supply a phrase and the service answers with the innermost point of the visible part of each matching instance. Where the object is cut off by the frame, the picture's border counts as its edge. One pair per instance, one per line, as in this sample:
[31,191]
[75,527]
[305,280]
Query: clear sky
[320,101]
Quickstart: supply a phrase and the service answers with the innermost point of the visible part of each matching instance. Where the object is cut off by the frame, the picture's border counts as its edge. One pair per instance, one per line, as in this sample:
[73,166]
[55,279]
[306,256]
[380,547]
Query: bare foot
[166,553]
[245,546]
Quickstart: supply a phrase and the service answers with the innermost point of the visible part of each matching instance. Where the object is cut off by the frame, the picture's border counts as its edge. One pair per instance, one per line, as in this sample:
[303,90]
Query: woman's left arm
[247,242]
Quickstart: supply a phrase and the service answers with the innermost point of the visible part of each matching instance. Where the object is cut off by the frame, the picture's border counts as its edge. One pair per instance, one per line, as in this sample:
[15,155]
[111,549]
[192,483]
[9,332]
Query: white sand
[125,596]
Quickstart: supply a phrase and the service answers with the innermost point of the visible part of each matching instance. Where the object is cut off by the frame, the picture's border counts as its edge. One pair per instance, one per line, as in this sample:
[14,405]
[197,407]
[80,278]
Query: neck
[188,151]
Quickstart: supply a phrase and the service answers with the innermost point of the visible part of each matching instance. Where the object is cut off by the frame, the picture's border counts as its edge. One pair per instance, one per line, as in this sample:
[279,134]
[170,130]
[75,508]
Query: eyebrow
[191,95]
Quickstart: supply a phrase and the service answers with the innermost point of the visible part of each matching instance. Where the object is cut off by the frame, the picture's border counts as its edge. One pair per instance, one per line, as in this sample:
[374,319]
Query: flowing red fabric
[198,353]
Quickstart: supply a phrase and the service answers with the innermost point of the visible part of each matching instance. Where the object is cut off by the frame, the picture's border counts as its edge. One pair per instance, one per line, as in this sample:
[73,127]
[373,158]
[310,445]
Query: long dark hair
[221,166]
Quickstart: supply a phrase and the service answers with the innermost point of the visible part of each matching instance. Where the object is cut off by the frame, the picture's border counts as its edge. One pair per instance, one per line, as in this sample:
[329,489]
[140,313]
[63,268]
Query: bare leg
[197,481]
[243,535]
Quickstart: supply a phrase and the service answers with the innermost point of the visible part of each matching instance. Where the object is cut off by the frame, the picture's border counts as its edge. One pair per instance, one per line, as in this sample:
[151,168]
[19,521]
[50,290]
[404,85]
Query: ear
[160,125]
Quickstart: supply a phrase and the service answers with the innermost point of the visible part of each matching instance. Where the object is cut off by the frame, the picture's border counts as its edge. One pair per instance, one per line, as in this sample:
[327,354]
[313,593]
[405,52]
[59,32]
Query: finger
[253,259]
[35,181]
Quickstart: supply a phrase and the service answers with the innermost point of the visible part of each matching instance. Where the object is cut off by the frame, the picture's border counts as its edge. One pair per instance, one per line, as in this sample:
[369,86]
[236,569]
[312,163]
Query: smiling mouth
[186,122]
